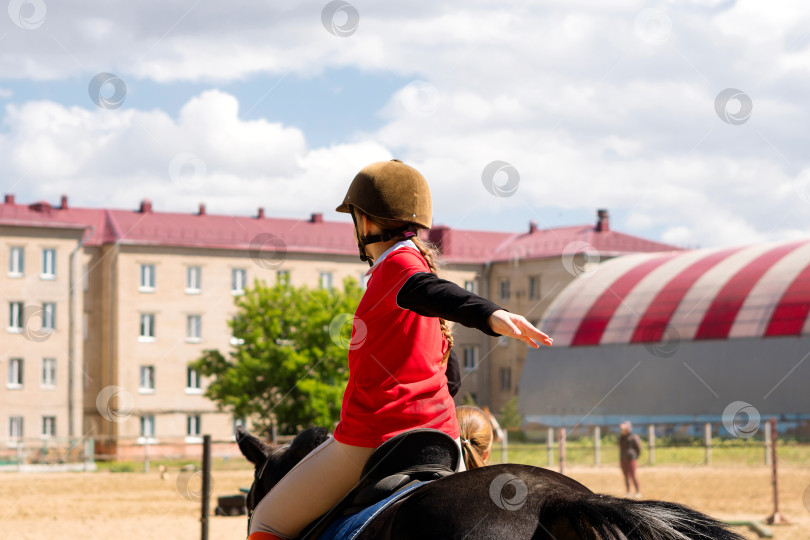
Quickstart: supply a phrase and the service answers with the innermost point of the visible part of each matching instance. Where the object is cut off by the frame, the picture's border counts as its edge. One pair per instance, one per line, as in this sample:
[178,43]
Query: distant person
[476,436]
[496,427]
[629,451]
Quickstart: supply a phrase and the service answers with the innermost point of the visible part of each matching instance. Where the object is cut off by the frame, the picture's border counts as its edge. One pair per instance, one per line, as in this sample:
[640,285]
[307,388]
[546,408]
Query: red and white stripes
[754,291]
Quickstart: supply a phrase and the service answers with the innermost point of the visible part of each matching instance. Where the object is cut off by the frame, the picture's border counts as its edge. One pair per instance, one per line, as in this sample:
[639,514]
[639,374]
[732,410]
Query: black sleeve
[424,293]
[453,373]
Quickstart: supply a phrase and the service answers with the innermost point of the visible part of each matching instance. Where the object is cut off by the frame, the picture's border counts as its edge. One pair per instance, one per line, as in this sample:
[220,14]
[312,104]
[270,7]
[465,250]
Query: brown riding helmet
[390,190]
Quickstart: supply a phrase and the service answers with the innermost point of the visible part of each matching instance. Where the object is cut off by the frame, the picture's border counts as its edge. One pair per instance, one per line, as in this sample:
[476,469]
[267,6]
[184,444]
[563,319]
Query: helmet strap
[364,240]
[360,240]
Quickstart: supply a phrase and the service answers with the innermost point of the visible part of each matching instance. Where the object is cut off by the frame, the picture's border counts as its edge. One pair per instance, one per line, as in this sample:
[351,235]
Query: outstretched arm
[516,326]
[428,295]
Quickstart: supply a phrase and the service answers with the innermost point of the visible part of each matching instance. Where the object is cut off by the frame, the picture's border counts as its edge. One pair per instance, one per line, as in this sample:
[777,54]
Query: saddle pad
[347,528]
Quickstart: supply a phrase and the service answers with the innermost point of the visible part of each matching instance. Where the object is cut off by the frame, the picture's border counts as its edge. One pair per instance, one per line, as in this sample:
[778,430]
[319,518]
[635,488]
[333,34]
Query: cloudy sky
[687,119]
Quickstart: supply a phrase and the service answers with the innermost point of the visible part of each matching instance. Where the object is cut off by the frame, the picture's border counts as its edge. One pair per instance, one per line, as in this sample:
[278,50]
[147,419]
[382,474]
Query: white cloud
[589,113]
[115,158]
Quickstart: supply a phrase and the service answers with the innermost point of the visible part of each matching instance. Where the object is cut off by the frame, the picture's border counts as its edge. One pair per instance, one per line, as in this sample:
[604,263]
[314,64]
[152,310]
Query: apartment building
[107,307]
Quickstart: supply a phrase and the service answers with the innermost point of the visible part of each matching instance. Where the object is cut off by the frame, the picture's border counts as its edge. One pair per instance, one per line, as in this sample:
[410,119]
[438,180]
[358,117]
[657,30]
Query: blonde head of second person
[476,436]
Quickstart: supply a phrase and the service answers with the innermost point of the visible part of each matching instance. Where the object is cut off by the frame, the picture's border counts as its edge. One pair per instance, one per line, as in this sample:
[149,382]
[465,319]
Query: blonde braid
[429,251]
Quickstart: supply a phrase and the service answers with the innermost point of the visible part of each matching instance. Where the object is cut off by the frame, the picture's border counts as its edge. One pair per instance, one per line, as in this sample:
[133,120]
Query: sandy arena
[134,506]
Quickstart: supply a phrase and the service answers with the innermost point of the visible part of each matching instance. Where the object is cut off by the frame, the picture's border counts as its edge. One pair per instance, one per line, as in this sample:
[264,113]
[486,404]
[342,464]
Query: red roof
[707,294]
[460,245]
[313,235]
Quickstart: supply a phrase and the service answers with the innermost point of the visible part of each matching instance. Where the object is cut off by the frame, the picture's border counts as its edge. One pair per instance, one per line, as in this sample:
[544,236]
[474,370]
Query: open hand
[516,326]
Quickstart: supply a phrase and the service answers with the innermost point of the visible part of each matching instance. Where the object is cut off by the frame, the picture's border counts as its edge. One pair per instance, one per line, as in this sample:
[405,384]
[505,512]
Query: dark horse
[527,502]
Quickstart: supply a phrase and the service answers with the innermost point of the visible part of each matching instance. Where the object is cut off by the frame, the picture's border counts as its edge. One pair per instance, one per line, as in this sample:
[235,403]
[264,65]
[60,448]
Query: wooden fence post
[206,486]
[651,443]
[707,435]
[768,443]
[597,445]
[550,447]
[562,450]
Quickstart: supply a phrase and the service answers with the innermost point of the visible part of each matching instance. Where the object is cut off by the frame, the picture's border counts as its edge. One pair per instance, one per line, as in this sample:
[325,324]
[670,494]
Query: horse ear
[252,448]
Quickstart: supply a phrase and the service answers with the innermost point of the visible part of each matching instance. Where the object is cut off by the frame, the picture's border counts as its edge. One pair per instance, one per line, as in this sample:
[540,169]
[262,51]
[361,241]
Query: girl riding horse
[397,379]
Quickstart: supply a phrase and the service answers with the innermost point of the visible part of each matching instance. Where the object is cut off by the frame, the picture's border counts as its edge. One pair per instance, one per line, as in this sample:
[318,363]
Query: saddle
[402,462]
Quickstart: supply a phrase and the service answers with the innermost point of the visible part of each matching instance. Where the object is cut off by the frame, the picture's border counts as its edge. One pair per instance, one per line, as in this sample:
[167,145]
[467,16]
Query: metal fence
[595,446]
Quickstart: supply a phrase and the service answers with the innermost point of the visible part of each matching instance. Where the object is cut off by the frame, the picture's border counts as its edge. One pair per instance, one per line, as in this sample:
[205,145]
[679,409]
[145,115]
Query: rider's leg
[311,488]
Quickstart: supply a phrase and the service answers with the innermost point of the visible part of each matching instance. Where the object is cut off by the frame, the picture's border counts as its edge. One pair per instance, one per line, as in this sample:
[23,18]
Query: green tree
[291,363]
[468,399]
[510,417]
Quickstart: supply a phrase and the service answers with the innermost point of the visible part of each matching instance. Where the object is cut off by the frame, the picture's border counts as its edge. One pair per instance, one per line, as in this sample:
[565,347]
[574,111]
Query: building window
[147,278]
[470,357]
[193,280]
[469,284]
[193,428]
[506,378]
[147,380]
[534,287]
[15,317]
[49,316]
[48,264]
[238,280]
[15,429]
[48,373]
[147,428]
[16,261]
[193,328]
[283,277]
[193,385]
[15,373]
[48,427]
[147,327]
[325,280]
[503,289]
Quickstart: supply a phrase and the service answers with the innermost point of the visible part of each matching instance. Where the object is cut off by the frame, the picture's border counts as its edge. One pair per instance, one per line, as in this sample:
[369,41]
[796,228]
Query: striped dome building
[677,337]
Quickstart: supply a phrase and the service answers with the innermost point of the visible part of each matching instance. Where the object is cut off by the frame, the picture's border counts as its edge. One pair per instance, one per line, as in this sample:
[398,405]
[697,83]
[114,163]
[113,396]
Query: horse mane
[602,517]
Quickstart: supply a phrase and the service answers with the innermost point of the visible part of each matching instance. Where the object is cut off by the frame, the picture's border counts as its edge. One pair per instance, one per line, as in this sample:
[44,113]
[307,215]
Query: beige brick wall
[109,303]
[33,400]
